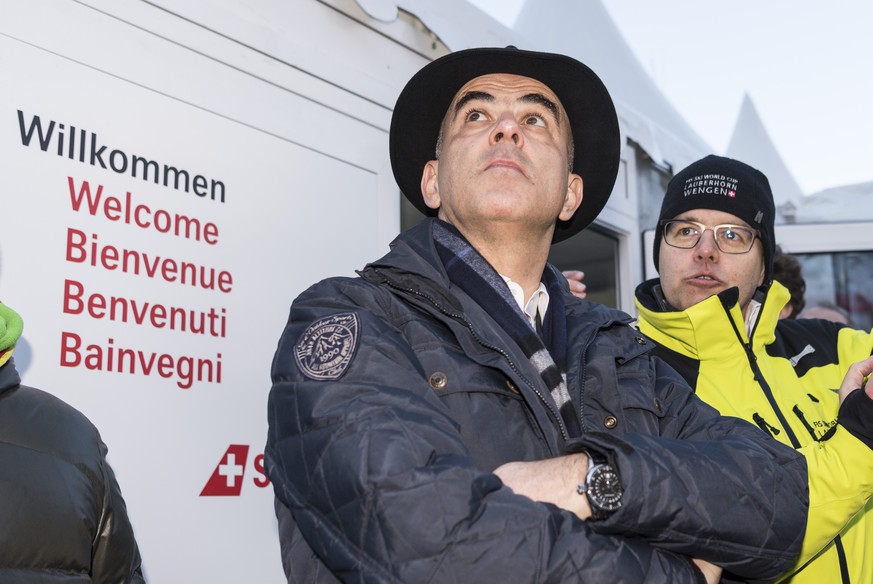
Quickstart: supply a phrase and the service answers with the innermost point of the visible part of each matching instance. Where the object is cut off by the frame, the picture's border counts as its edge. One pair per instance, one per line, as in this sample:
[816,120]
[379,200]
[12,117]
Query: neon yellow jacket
[785,381]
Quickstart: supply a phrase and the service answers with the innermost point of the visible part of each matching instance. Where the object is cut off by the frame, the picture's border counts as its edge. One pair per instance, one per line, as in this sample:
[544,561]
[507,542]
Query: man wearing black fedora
[454,414]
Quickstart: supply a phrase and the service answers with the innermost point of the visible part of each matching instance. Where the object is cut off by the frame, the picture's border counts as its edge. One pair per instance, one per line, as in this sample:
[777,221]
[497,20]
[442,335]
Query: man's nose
[507,127]
[706,247]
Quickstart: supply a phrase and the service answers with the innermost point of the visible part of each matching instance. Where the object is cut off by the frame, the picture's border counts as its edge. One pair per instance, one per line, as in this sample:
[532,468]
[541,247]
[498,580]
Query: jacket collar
[706,330]
[9,377]
[413,253]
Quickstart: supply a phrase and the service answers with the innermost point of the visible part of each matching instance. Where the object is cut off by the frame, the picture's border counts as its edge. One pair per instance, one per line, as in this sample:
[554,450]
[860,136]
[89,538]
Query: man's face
[691,275]
[504,158]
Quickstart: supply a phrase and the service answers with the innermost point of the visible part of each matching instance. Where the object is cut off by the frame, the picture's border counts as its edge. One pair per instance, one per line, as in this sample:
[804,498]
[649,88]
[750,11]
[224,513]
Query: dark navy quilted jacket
[394,396]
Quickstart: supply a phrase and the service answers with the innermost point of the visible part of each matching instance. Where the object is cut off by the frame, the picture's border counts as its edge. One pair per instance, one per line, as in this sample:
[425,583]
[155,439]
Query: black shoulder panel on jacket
[807,343]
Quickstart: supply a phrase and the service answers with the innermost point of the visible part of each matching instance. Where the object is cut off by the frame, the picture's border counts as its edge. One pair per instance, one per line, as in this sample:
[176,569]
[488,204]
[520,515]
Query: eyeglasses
[728,238]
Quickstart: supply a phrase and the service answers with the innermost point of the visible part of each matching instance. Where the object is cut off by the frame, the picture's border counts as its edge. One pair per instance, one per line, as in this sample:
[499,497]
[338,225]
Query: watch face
[604,488]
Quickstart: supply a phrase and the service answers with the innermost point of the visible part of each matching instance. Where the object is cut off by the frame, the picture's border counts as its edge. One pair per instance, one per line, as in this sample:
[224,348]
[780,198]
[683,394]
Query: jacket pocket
[619,394]
[485,402]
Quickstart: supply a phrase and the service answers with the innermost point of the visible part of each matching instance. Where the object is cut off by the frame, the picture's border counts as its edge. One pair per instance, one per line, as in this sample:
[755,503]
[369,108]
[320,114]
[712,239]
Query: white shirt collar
[752,316]
[538,302]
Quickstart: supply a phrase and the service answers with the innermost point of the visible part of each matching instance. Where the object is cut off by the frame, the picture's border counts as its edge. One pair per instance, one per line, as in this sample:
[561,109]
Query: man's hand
[574,279]
[711,572]
[856,377]
[553,480]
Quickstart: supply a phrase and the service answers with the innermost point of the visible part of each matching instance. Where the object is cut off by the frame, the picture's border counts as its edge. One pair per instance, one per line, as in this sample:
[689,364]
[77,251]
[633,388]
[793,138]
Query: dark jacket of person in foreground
[62,517]
[384,475]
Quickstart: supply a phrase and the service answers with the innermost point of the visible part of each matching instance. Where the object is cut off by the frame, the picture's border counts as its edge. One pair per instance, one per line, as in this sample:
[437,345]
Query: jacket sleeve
[840,466]
[116,558]
[380,483]
[856,412]
[840,484]
[721,489]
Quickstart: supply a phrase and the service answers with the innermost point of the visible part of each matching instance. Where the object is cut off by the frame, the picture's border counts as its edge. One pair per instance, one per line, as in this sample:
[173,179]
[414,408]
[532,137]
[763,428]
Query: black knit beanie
[728,185]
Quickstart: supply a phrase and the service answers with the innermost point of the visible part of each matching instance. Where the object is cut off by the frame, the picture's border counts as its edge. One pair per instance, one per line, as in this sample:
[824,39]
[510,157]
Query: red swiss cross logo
[227,478]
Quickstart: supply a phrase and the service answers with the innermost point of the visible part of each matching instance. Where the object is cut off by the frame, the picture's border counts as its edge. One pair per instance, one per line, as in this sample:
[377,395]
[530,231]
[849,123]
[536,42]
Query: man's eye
[686,231]
[739,235]
[534,120]
[474,116]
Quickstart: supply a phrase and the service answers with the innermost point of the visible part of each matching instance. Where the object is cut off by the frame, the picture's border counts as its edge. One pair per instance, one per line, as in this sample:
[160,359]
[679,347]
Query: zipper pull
[762,423]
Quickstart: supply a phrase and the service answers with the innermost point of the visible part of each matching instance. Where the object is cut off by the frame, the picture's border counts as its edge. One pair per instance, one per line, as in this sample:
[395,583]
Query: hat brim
[419,112]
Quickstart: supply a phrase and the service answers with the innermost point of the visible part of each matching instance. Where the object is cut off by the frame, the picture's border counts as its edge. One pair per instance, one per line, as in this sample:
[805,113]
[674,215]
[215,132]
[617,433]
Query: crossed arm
[554,480]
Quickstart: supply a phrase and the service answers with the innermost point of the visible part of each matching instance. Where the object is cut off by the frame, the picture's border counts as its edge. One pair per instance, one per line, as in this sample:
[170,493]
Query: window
[842,279]
[595,252]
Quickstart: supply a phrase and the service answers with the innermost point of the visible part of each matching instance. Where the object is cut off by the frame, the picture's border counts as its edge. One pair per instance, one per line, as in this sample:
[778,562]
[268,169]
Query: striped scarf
[472,273]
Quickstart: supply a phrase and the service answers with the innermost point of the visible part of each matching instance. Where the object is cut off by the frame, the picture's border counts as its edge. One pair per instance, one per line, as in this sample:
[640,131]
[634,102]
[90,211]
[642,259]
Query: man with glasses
[714,313]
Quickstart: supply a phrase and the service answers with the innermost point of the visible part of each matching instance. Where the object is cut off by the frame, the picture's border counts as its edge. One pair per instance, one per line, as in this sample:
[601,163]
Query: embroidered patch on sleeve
[326,348]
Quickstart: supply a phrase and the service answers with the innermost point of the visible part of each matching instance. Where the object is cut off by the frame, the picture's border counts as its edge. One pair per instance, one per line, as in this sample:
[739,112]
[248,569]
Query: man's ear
[573,198]
[429,185]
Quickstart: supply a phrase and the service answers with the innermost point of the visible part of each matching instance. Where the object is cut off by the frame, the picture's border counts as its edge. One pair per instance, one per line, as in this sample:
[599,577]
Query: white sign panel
[153,248]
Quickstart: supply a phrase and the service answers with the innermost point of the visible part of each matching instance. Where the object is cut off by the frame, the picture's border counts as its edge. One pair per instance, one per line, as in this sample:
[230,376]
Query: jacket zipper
[841,556]
[765,387]
[581,379]
[768,393]
[503,353]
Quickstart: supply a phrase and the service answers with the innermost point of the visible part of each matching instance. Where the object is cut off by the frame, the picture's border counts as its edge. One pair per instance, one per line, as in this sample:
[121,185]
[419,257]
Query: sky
[807,66]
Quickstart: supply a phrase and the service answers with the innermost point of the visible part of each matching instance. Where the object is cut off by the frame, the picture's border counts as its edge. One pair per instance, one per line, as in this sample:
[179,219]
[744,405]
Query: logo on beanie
[711,184]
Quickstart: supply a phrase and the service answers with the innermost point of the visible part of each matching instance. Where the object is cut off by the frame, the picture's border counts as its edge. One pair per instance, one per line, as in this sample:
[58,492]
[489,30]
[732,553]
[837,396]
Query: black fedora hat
[419,112]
